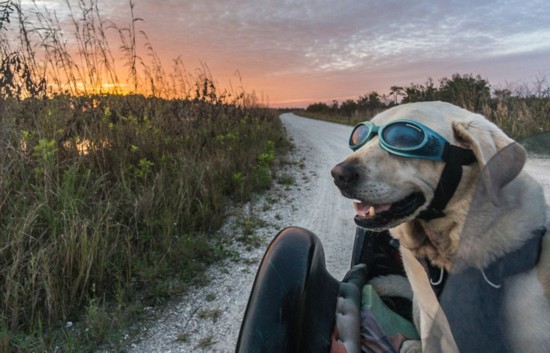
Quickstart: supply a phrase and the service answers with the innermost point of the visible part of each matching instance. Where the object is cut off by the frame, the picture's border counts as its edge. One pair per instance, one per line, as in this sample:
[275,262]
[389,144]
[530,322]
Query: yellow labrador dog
[450,186]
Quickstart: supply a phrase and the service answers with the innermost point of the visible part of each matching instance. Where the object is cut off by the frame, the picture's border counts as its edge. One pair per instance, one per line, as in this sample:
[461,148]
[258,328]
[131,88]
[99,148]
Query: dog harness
[472,299]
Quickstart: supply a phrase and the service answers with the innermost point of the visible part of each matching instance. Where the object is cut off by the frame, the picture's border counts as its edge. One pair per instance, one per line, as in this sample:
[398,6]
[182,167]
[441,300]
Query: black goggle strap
[454,157]
[455,154]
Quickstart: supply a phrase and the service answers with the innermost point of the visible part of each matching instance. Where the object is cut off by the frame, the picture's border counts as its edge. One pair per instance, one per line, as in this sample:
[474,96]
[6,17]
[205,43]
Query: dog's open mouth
[383,215]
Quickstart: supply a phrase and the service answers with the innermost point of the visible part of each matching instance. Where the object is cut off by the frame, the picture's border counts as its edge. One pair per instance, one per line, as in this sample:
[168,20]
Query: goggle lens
[359,135]
[403,135]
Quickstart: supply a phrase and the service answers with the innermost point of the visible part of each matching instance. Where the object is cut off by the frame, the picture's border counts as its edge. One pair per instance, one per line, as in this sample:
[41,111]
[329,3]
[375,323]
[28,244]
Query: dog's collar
[454,157]
[518,261]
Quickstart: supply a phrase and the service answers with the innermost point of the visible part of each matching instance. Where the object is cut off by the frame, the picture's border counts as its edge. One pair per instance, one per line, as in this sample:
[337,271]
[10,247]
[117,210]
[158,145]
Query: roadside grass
[132,220]
[520,116]
[112,187]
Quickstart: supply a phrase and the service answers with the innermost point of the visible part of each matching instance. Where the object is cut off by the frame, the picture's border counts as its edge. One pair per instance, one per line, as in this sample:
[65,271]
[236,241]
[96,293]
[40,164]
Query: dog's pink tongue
[364,209]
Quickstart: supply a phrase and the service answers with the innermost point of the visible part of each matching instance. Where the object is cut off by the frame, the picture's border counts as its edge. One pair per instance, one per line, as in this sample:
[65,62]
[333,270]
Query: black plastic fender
[293,299]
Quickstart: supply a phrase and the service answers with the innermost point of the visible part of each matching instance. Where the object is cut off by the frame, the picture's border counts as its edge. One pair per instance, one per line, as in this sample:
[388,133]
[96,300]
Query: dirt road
[207,319]
[327,213]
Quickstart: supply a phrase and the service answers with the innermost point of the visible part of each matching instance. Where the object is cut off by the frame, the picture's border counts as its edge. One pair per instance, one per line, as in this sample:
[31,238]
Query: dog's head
[389,189]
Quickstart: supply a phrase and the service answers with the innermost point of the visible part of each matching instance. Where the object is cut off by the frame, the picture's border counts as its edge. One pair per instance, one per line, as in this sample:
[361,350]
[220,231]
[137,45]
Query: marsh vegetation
[115,174]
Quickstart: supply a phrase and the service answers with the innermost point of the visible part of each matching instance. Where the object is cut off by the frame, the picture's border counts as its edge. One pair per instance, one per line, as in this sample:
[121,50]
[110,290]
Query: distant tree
[370,101]
[348,107]
[319,107]
[413,93]
[397,91]
[421,93]
[334,106]
[467,91]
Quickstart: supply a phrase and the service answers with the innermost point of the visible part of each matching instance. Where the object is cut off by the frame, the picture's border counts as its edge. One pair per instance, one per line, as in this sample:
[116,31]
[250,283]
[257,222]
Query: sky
[295,52]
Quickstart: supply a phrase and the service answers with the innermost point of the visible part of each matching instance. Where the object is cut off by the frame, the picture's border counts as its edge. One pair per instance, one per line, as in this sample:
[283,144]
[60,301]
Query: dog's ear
[500,158]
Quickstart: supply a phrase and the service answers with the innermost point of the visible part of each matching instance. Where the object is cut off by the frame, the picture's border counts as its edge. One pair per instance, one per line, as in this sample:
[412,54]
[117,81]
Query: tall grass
[519,113]
[109,202]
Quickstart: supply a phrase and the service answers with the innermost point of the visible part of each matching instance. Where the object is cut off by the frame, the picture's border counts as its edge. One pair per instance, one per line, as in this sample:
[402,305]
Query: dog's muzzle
[379,216]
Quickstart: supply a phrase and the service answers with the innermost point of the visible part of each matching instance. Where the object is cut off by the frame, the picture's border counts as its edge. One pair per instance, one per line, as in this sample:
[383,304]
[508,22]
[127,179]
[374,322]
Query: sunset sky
[295,52]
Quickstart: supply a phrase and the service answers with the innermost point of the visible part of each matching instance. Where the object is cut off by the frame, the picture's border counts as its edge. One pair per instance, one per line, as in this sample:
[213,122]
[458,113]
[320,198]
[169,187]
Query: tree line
[468,91]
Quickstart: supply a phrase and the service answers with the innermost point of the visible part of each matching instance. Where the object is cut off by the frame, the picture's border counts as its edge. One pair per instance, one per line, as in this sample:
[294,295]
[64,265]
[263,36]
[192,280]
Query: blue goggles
[405,138]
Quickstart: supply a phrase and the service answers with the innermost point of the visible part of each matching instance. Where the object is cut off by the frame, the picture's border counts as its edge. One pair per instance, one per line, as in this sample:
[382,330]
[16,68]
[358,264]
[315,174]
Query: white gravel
[207,319]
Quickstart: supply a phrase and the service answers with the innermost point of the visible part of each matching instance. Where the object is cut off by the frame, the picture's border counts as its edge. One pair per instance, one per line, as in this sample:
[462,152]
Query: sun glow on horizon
[296,55]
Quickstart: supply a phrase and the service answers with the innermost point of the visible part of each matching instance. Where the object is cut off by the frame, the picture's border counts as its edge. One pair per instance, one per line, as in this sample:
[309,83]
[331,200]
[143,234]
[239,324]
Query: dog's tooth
[372,211]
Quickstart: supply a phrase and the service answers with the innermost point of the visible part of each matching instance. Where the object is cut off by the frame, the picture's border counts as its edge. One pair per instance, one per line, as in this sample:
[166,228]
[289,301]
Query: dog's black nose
[344,174]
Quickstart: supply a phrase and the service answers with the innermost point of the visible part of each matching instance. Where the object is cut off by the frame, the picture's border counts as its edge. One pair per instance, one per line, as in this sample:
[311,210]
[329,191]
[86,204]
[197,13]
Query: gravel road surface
[207,319]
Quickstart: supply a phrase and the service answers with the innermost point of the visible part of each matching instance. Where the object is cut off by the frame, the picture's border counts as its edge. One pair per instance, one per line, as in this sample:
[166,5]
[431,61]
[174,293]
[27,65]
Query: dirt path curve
[207,319]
